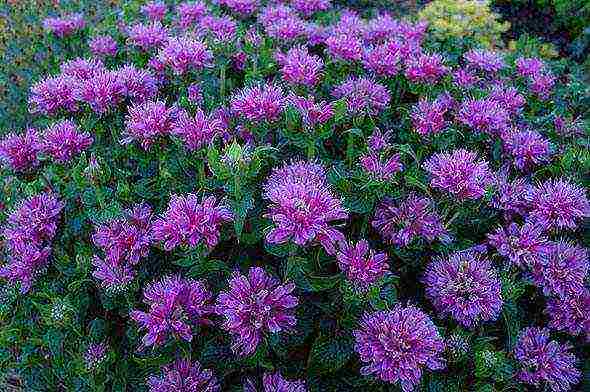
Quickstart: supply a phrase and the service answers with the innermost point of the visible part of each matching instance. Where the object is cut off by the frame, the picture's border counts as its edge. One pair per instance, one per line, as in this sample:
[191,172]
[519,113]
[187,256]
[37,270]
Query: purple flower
[195,94]
[415,217]
[140,85]
[558,204]
[425,68]
[104,91]
[561,269]
[175,306]
[254,305]
[527,67]
[528,148]
[542,85]
[508,97]
[196,131]
[82,69]
[103,45]
[62,141]
[428,118]
[183,54]
[53,94]
[287,29]
[242,7]
[259,102]
[223,29]
[25,265]
[114,278]
[65,25]
[344,47]
[397,345]
[312,113]
[570,314]
[485,61]
[184,376]
[303,206]
[189,13]
[361,265]
[363,96]
[460,173]
[308,7]
[544,362]
[300,67]
[464,78]
[383,60]
[274,382]
[510,196]
[148,121]
[154,10]
[381,169]
[521,245]
[95,355]
[19,152]
[273,13]
[464,286]
[484,115]
[187,222]
[146,37]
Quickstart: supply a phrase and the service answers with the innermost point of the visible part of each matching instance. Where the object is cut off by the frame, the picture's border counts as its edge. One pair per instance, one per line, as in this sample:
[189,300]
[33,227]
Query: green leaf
[329,353]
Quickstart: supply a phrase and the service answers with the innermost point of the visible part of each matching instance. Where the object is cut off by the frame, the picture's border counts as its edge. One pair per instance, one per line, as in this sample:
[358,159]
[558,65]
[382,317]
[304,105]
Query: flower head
[558,204]
[103,45]
[460,173]
[196,131]
[545,362]
[344,47]
[274,382]
[484,61]
[361,265]
[425,68]
[223,28]
[521,245]
[312,113]
[19,152]
[542,85]
[189,13]
[184,376]
[140,85]
[300,67]
[464,286]
[484,115]
[102,92]
[175,305]
[95,355]
[383,59]
[242,7]
[155,10]
[188,222]
[64,26]
[510,196]
[53,94]
[259,102]
[528,148]
[413,218]
[254,305]
[82,69]
[62,141]
[363,96]
[303,206]
[428,117]
[527,67]
[381,168]
[147,37]
[397,345]
[148,121]
[183,54]
[570,314]
[508,97]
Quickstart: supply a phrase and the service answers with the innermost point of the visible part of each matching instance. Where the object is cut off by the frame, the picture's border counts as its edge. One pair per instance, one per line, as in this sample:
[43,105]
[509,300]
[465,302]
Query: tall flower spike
[460,173]
[255,304]
[361,265]
[188,222]
[464,286]
[545,362]
[175,306]
[303,206]
[397,345]
[184,376]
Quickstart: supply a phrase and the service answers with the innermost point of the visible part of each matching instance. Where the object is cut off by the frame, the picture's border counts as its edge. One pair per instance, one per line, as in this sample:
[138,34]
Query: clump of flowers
[62,141]
[190,222]
[558,204]
[259,102]
[300,67]
[464,286]
[561,269]
[184,376]
[544,362]
[397,345]
[183,54]
[361,265]
[66,25]
[103,45]
[528,148]
[175,305]
[303,206]
[521,245]
[413,218]
[148,121]
[255,304]
[363,96]
[460,173]
[124,242]
[28,234]
[19,151]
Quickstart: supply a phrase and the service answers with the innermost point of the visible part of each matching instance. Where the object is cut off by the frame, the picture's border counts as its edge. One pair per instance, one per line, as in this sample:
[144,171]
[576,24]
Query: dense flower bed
[256,196]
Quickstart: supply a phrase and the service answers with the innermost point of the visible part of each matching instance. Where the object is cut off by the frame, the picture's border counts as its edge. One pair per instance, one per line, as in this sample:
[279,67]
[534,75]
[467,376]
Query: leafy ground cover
[292,196]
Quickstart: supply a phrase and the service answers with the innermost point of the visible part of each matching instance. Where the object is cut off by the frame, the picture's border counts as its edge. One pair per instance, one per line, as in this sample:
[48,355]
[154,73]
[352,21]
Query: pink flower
[148,121]
[64,26]
[259,102]
[155,10]
[103,92]
[425,68]
[189,13]
[183,54]
[300,67]
[62,141]
[363,96]
[344,47]
[196,131]
[53,94]
[19,152]
[147,37]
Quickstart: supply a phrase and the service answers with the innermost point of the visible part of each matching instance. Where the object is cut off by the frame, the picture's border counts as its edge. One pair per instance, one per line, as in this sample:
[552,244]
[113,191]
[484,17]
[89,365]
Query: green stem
[222,81]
